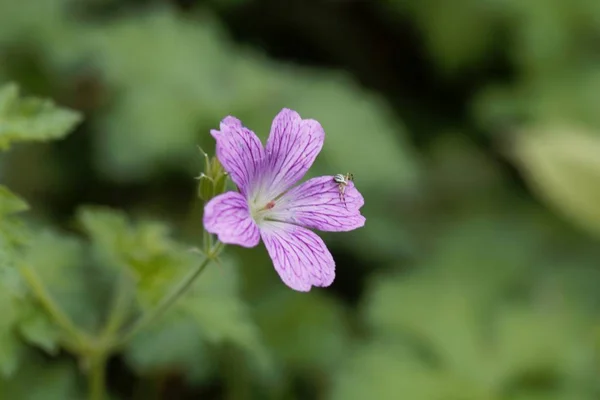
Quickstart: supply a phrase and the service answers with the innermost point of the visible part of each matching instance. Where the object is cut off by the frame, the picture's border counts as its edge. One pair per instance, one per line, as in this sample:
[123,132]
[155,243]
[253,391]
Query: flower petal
[317,204]
[240,152]
[300,256]
[292,147]
[228,217]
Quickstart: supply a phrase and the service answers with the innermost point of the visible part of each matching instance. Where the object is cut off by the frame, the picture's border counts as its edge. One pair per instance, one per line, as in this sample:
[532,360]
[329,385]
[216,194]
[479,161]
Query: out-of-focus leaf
[564,95]
[383,370]
[31,119]
[539,340]
[215,304]
[11,349]
[459,34]
[174,88]
[170,94]
[23,319]
[65,267]
[439,315]
[541,32]
[37,328]
[167,108]
[211,312]
[209,315]
[143,250]
[40,379]
[561,165]
[172,345]
[12,231]
[11,290]
[378,370]
[10,203]
[304,331]
[470,321]
[467,334]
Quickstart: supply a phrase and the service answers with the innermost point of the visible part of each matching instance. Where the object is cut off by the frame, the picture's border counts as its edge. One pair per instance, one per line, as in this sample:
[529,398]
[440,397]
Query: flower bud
[206,187]
[213,180]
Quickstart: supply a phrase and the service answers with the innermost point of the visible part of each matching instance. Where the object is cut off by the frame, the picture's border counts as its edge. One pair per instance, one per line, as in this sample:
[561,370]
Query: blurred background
[471,127]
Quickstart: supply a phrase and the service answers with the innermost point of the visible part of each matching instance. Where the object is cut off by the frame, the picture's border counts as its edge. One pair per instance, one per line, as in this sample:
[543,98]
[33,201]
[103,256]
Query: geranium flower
[268,206]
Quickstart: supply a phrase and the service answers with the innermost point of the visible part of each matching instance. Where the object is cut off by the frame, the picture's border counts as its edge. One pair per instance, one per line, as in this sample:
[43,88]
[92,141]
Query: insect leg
[342,195]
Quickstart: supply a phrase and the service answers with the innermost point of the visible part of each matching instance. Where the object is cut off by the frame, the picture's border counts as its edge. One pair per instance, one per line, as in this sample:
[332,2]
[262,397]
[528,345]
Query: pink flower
[269,207]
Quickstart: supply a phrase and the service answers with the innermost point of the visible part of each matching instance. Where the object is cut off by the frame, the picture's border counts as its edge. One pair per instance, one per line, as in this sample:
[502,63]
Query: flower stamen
[259,213]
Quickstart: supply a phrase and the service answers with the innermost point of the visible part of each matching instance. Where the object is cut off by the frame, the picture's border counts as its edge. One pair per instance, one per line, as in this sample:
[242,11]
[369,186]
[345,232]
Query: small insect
[342,181]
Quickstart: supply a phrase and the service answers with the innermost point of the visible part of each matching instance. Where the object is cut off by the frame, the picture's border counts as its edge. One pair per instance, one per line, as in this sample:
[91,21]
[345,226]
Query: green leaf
[32,119]
[560,163]
[10,203]
[211,313]
[11,349]
[539,340]
[161,109]
[81,287]
[380,371]
[172,345]
[458,34]
[12,294]
[209,316]
[143,250]
[12,231]
[36,327]
[40,379]
[474,321]
[304,332]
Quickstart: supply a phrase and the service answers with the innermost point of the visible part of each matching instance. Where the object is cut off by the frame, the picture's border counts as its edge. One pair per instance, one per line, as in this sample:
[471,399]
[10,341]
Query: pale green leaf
[32,119]
[560,163]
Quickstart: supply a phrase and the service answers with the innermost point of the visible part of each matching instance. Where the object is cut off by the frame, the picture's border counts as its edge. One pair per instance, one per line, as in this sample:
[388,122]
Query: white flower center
[260,208]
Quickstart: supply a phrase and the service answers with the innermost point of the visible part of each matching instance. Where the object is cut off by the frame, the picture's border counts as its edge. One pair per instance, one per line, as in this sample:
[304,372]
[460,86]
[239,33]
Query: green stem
[118,311]
[55,312]
[166,302]
[97,377]
[207,242]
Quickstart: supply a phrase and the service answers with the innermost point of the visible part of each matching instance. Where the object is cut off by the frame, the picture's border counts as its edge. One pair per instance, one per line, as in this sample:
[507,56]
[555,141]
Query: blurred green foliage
[448,331]
[31,119]
[470,280]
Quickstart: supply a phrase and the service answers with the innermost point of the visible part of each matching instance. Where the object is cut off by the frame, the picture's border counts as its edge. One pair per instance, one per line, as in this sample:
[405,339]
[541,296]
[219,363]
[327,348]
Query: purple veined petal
[228,217]
[291,149]
[240,152]
[299,256]
[317,204]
